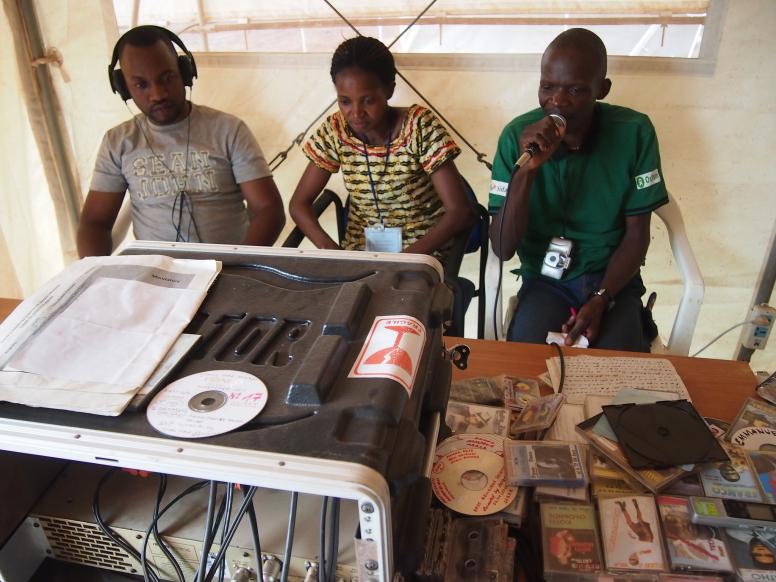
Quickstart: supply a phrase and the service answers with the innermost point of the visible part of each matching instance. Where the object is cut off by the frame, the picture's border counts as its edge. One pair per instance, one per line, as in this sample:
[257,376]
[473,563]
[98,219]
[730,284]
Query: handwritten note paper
[606,376]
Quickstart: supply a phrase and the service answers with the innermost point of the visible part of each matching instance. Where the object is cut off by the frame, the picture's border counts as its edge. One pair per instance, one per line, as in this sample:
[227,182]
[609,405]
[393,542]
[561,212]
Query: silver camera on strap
[557,258]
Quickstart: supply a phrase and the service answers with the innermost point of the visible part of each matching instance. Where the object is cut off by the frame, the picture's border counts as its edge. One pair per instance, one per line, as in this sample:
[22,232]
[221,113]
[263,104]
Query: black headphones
[186,64]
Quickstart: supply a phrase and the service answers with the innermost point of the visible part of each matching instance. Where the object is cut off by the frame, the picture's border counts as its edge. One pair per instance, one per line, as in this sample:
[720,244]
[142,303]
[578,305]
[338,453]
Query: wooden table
[718,387]
[6,306]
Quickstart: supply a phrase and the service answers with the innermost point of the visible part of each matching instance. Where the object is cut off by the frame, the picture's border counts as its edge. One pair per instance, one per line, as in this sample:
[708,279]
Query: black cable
[113,536]
[157,537]
[216,522]
[191,489]
[411,24]
[322,543]
[289,536]
[232,530]
[333,538]
[500,267]
[500,252]
[255,537]
[529,552]
[283,155]
[303,278]
[342,17]
[227,514]
[207,544]
[181,197]
[212,529]
[183,200]
[562,366]
[192,220]
[211,501]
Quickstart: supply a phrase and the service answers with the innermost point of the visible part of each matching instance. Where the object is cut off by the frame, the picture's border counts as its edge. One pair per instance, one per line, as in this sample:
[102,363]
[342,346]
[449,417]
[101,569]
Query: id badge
[381,239]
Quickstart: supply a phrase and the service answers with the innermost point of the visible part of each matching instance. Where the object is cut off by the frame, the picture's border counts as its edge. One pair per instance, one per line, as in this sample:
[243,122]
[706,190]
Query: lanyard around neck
[385,166]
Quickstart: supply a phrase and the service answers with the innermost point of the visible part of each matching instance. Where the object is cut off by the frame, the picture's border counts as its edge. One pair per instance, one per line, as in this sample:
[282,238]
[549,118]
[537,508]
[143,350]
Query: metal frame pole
[57,140]
[762,291]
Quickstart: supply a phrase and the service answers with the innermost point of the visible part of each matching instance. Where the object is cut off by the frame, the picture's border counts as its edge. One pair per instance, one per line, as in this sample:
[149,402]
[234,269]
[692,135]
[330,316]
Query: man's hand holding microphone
[540,140]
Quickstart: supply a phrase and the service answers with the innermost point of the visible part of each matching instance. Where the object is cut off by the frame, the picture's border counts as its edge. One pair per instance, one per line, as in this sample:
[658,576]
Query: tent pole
[57,141]
[762,291]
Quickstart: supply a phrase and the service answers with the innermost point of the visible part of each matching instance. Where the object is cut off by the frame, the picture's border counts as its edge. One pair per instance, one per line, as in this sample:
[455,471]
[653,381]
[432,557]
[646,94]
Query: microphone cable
[500,254]
[531,151]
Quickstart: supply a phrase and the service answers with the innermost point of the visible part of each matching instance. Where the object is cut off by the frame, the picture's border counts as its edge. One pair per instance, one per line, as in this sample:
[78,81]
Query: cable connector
[755,333]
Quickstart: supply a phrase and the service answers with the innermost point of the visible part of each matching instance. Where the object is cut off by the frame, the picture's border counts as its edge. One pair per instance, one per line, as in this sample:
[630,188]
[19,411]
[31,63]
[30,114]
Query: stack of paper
[591,377]
[587,375]
[91,337]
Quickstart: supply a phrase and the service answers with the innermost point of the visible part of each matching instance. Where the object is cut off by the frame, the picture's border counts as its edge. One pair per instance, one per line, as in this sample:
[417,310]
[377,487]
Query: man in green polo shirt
[585,196]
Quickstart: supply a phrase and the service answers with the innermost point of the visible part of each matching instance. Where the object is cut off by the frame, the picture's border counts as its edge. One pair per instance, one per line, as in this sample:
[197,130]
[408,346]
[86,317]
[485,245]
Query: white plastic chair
[689,306]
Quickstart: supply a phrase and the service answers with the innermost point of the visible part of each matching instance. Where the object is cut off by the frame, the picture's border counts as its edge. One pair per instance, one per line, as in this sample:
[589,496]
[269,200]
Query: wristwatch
[604,294]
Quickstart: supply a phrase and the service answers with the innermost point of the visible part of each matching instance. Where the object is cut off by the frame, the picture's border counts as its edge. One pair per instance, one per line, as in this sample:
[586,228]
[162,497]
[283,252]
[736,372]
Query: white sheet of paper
[560,337]
[179,349]
[606,376]
[564,427]
[97,331]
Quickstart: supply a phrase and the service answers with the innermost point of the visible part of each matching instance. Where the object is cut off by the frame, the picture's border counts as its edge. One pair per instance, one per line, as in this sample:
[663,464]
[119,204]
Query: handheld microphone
[533,149]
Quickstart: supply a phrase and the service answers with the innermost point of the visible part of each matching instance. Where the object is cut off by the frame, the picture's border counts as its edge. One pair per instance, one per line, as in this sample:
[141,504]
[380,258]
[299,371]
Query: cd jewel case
[663,434]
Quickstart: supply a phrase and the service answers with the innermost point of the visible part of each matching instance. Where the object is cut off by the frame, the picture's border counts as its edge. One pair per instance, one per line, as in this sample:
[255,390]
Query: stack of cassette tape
[649,490]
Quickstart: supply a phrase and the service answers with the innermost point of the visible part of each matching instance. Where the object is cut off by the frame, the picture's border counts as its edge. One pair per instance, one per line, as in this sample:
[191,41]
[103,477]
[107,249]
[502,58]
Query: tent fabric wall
[716,134]
[31,251]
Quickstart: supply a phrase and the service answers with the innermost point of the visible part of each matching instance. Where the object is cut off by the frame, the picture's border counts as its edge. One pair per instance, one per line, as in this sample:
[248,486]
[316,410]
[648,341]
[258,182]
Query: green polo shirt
[585,195]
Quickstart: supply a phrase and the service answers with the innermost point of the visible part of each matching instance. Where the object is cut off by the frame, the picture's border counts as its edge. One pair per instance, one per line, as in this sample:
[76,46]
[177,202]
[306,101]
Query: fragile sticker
[392,349]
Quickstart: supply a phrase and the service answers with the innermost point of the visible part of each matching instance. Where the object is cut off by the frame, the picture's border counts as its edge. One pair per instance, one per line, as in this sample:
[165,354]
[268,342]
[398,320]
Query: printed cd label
[207,404]
[472,481]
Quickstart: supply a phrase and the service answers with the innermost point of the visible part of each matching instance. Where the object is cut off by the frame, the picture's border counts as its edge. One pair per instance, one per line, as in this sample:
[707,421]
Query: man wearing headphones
[190,170]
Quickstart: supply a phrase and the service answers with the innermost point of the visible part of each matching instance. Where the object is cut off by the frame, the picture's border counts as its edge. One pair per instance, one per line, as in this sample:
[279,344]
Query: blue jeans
[544,305]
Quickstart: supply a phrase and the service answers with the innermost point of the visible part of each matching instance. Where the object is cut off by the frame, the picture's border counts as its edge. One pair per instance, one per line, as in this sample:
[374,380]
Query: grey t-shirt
[150,161]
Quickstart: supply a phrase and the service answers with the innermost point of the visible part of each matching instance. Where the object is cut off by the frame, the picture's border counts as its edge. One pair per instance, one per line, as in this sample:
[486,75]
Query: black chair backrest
[321,203]
[467,241]
[474,239]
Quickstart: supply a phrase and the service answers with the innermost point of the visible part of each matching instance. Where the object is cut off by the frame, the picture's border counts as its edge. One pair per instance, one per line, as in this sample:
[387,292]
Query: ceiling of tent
[194,13]
[504,26]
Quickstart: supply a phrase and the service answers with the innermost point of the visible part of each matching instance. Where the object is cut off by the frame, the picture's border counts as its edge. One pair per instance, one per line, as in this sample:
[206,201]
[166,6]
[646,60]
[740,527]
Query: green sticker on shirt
[648,179]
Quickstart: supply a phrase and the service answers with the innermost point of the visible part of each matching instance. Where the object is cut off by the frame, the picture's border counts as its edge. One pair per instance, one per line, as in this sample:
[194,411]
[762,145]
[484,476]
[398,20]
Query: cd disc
[472,481]
[207,404]
[488,442]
